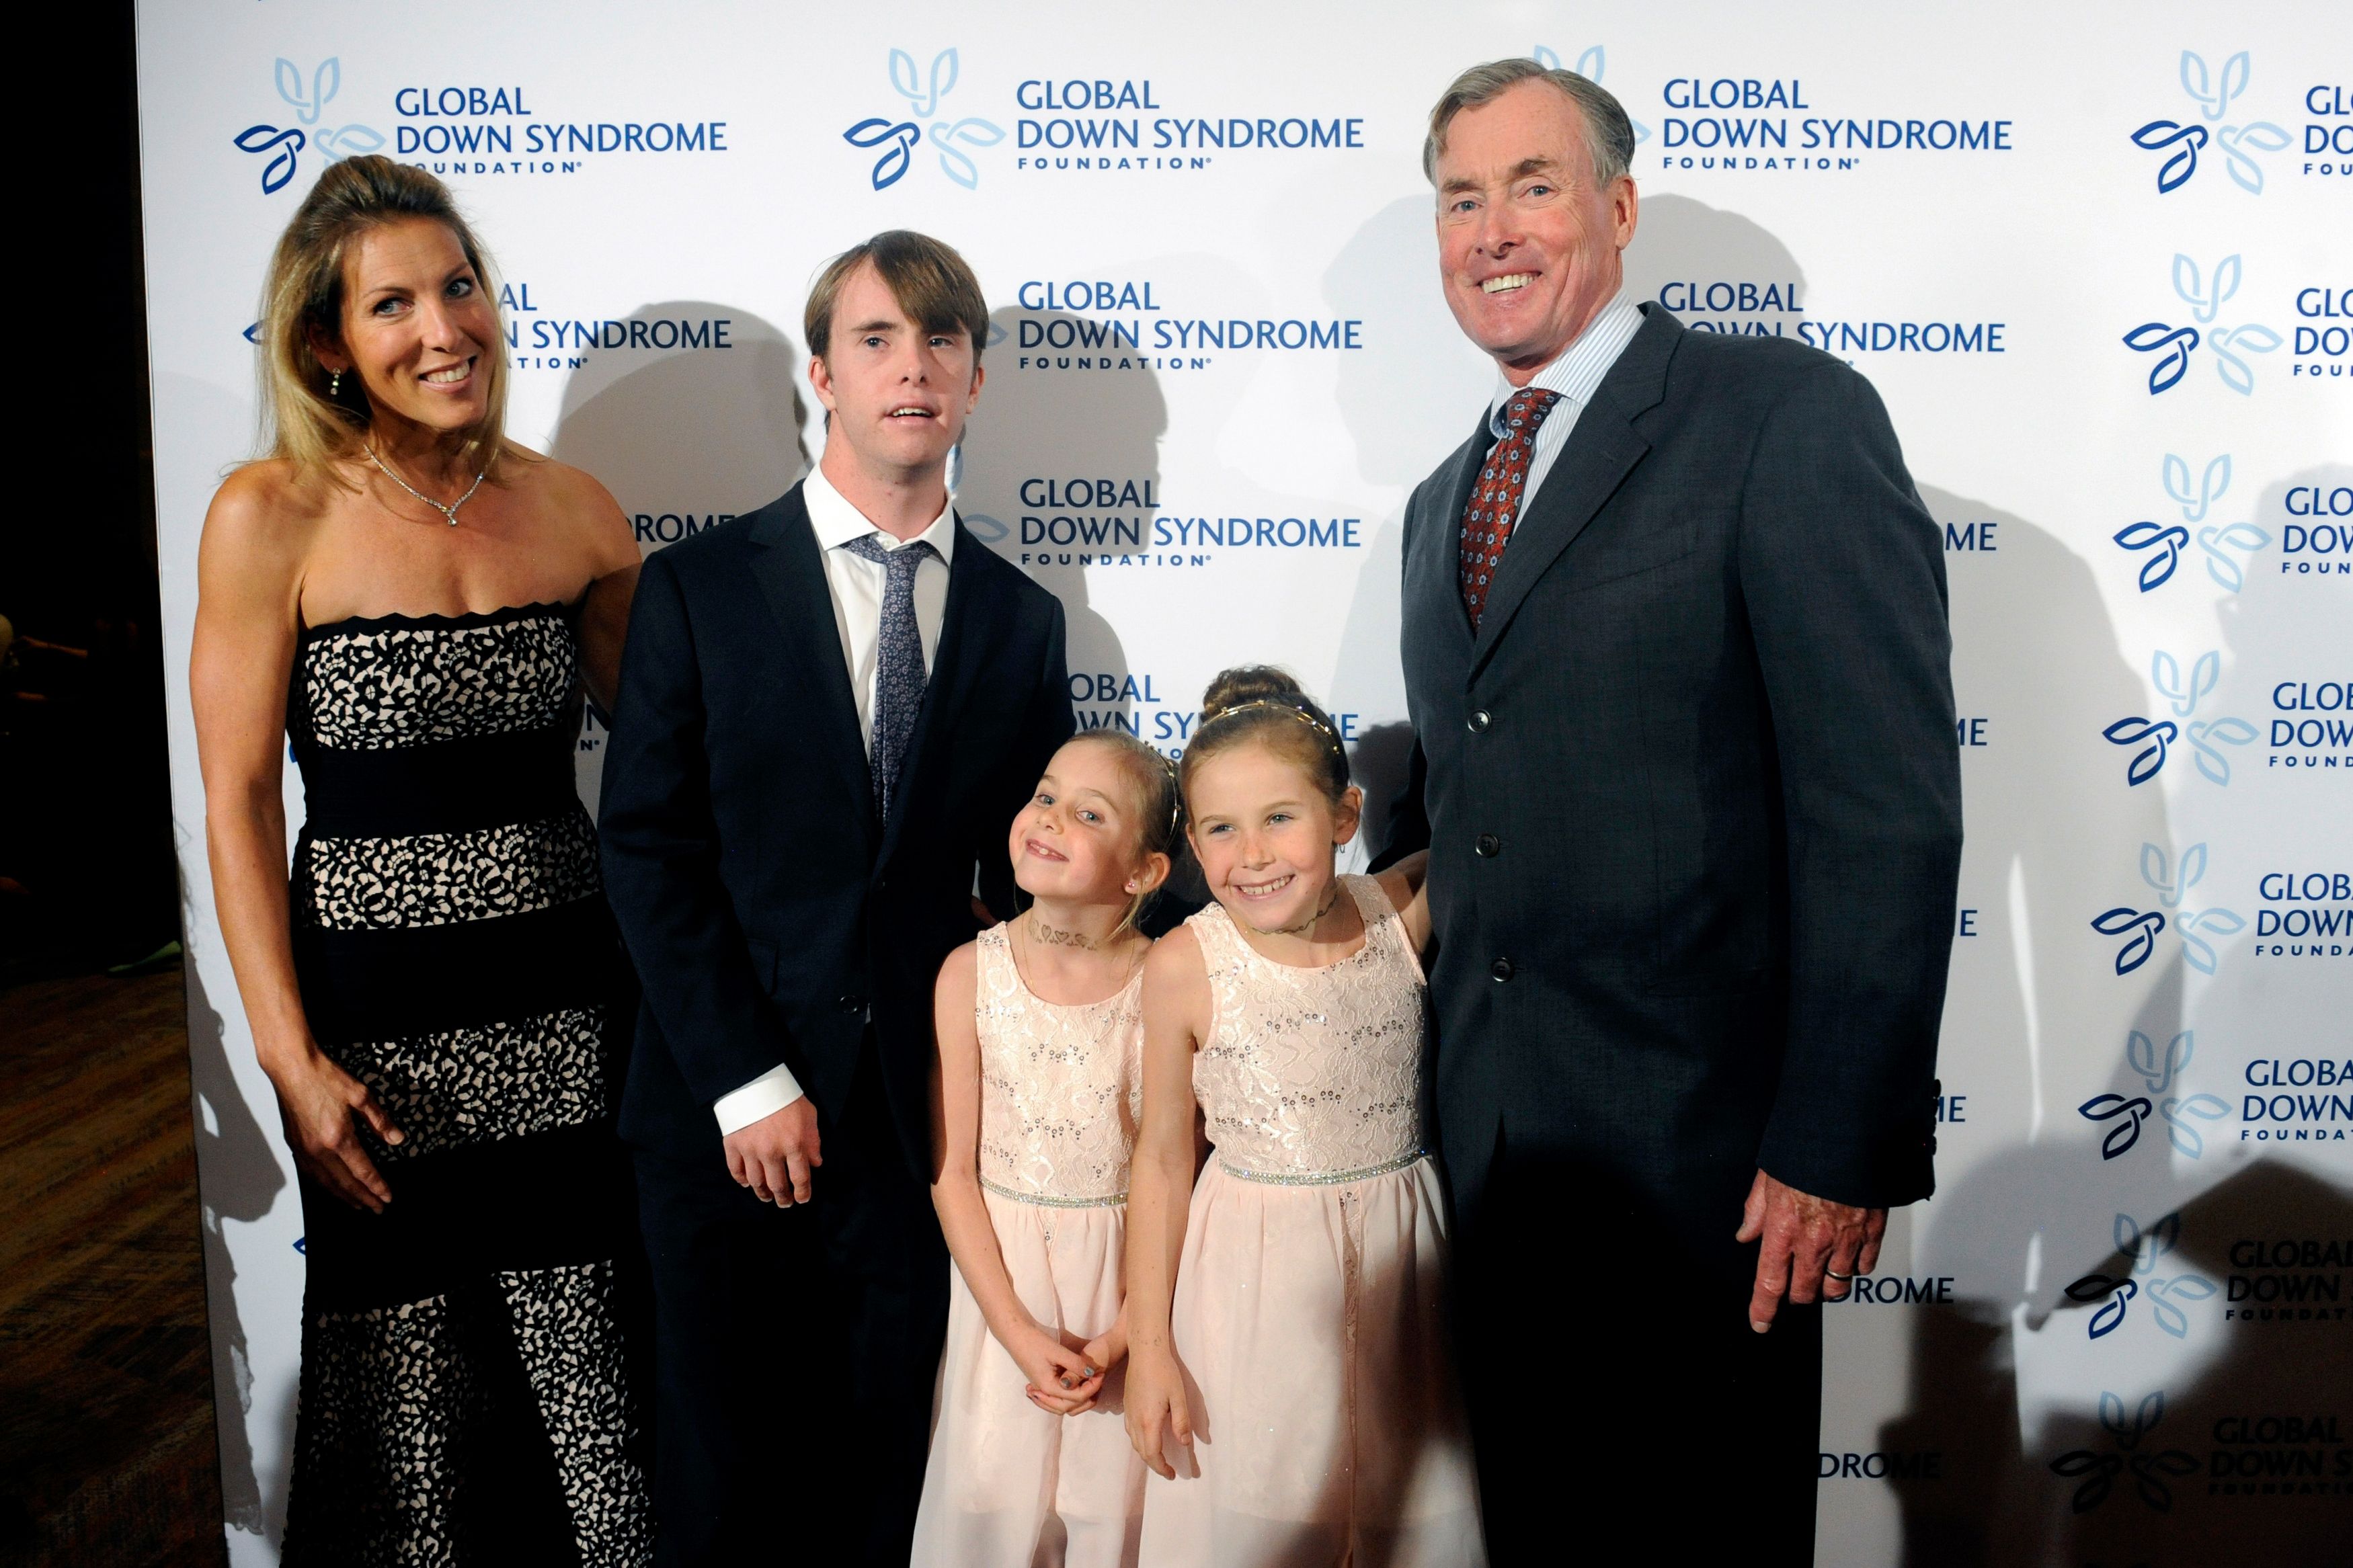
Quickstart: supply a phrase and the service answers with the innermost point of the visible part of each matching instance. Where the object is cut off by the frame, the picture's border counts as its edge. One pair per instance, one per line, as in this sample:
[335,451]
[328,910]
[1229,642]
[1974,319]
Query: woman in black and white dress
[416,604]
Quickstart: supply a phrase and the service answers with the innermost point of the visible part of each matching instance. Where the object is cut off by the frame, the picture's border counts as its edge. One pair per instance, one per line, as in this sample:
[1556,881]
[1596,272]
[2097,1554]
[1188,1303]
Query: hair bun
[1246,683]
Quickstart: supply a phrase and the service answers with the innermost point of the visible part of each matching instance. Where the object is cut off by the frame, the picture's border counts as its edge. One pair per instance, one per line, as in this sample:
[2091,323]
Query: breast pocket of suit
[1617,547]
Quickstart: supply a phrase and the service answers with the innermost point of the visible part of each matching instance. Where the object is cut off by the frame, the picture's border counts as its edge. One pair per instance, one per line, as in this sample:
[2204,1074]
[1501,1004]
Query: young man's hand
[773,1155]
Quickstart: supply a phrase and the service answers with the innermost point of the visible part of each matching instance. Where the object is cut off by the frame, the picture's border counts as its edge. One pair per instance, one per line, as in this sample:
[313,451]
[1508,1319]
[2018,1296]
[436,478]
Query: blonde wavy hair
[309,426]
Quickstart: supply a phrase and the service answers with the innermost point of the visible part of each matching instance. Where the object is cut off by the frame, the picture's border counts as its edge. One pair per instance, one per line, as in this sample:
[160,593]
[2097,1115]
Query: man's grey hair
[1608,134]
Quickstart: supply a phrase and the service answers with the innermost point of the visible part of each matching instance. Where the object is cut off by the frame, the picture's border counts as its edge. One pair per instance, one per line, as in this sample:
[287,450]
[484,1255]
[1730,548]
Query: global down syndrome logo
[2180,142]
[2160,544]
[1590,65]
[2147,1468]
[2154,737]
[2158,1071]
[281,146]
[899,138]
[2165,1294]
[2174,345]
[2140,928]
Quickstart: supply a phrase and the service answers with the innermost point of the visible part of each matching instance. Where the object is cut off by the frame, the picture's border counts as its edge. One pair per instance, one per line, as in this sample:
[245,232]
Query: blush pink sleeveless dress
[1060,1089]
[1309,1314]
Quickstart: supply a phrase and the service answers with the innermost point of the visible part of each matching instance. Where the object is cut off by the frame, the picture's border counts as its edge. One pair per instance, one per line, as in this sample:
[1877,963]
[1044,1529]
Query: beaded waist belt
[1054,1201]
[1322,1178]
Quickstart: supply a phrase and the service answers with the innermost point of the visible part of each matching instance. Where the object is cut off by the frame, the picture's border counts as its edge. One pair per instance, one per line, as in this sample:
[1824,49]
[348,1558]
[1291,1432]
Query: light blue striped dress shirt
[1575,373]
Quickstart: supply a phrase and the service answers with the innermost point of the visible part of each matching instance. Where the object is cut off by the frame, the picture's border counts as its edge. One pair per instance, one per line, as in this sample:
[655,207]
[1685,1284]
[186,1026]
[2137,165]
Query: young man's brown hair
[932,283]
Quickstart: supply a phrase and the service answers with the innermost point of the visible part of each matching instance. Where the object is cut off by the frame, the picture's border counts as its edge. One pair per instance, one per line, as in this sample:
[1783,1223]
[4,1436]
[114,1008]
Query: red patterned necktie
[1496,499]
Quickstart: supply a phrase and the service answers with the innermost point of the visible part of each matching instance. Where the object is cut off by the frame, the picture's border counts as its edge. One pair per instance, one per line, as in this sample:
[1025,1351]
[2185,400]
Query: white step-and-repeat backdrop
[2097,259]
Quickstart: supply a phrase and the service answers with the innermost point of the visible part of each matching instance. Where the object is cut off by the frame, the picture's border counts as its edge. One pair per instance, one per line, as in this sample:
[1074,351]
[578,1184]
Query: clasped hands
[1813,1248]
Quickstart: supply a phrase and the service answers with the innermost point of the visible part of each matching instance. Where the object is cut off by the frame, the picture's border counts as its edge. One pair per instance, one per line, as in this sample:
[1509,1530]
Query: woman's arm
[1176,1015]
[605,617]
[1053,1368]
[248,591]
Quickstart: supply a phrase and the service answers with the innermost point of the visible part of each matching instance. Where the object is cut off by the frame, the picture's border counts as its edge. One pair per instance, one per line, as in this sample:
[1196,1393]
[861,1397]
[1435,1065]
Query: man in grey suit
[1676,652]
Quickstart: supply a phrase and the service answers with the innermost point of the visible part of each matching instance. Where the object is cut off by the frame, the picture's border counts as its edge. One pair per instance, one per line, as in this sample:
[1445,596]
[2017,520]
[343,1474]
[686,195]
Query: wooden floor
[106,1401]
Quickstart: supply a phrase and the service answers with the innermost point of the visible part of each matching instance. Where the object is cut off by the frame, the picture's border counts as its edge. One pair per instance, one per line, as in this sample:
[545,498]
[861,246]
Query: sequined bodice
[1312,1072]
[1060,1087]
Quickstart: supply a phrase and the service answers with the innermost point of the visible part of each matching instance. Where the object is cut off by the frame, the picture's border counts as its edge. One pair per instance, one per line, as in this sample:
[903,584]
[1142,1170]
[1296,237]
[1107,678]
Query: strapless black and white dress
[464,1394]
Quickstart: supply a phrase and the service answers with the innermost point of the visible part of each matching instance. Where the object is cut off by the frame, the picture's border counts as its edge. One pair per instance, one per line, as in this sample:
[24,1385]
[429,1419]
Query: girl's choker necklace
[1301,927]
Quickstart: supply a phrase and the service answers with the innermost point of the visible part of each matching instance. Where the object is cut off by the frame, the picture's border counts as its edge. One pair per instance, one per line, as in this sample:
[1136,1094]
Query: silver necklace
[449,512]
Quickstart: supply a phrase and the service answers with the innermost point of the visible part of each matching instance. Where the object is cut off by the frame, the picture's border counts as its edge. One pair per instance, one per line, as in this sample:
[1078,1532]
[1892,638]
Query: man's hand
[773,1155]
[1812,1248]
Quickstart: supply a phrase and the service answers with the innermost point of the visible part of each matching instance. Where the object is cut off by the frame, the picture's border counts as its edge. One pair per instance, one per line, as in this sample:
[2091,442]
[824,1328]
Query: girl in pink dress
[1040,1035]
[1294,1392]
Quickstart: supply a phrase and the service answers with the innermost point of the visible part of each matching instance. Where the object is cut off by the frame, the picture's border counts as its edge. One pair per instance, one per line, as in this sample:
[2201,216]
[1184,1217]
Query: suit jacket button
[852,1004]
[1488,846]
[1500,969]
[1479,721]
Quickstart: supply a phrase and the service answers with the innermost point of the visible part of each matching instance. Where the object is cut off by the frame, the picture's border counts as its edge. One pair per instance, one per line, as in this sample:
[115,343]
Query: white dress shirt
[1576,373]
[855,585]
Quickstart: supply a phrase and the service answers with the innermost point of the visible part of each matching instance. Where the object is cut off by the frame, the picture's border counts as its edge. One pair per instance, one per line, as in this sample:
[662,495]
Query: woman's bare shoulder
[267,509]
[576,500]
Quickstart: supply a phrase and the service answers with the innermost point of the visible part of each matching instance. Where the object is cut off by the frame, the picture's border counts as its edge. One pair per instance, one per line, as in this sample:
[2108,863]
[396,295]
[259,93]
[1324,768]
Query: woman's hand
[317,1101]
[1061,1378]
[1156,1404]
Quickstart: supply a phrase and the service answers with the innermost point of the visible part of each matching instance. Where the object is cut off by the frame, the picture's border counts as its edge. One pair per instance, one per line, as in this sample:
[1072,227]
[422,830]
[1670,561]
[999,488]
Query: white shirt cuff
[763,1096]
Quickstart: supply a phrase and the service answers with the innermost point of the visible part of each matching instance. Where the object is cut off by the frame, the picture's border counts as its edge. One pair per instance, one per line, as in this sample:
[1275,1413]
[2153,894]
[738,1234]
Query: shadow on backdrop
[1043,480]
[691,434]
[241,1181]
[1408,397]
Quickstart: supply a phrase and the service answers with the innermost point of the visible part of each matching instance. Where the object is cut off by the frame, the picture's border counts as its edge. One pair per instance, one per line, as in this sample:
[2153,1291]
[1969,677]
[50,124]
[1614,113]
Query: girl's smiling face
[1078,838]
[1264,833]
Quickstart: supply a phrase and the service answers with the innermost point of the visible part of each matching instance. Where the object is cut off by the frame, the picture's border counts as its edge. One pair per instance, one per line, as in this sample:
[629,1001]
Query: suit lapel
[1601,451]
[791,574]
[1441,545]
[968,625]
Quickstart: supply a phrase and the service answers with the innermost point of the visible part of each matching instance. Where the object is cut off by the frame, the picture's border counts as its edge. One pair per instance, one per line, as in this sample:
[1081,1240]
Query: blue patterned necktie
[898,662]
[1495,505]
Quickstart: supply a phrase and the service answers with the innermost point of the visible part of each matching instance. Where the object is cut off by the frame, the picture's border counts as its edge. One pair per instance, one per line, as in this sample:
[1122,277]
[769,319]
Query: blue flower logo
[2100,1470]
[899,138]
[2165,1295]
[2207,737]
[2164,544]
[2205,294]
[1590,65]
[309,99]
[2181,141]
[2173,883]
[2158,1070]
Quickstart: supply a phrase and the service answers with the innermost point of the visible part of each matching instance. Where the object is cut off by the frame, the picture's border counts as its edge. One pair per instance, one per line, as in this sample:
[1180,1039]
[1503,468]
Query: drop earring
[335,384]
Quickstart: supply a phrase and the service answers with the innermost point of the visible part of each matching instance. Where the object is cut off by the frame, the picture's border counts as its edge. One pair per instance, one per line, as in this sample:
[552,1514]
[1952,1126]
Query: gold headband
[1304,717]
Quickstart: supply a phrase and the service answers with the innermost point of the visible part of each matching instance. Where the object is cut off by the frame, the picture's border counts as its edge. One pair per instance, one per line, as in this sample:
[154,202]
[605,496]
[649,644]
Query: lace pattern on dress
[471,1085]
[442,879]
[1061,1088]
[569,1337]
[1310,1077]
[412,685]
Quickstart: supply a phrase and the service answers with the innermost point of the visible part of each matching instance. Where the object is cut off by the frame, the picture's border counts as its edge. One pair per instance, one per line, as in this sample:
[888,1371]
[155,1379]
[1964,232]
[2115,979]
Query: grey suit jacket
[1692,796]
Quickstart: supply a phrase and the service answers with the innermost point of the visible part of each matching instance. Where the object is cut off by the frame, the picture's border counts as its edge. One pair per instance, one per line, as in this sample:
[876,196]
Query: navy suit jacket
[765,907]
[1693,799]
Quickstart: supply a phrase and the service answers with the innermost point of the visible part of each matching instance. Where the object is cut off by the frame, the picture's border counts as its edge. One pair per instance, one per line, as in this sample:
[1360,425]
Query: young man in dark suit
[830,710]
[1676,654]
